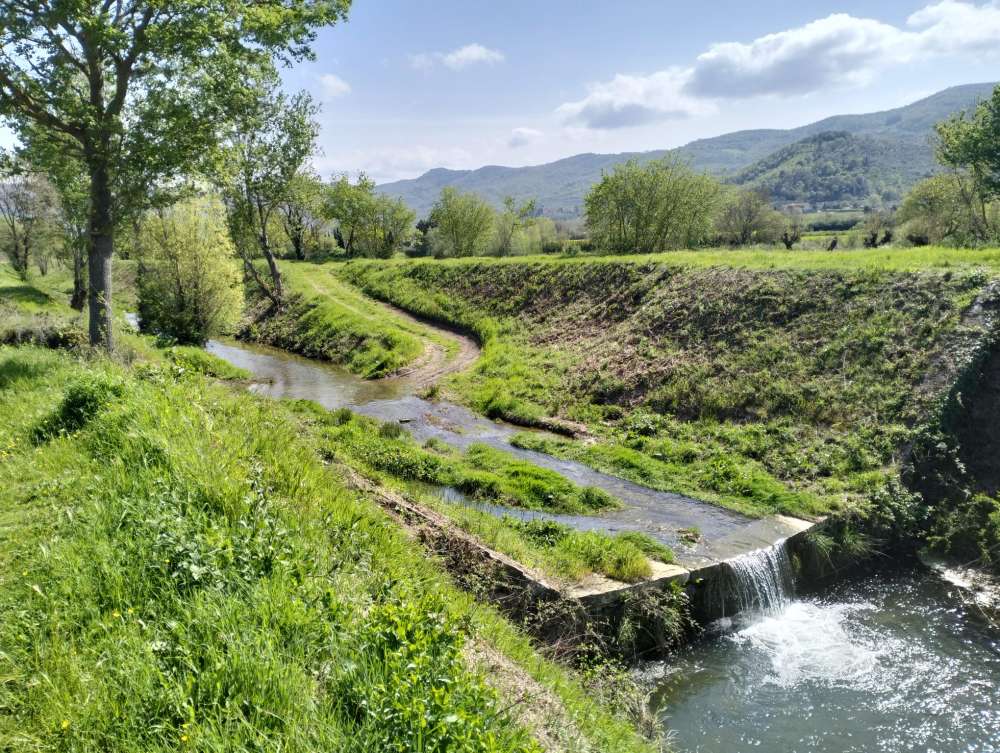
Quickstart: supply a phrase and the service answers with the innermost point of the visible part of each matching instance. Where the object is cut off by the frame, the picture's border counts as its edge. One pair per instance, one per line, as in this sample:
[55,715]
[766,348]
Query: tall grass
[178,570]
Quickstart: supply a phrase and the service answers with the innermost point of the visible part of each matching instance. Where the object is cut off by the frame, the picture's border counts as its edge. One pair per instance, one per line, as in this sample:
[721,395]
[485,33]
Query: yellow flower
[65,723]
[116,614]
[184,738]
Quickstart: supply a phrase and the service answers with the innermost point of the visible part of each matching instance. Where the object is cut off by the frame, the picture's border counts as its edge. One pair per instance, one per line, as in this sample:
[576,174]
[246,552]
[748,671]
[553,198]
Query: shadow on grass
[13,369]
[24,294]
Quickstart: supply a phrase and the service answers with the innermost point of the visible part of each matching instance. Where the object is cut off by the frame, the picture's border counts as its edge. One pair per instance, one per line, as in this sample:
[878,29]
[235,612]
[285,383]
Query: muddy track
[434,364]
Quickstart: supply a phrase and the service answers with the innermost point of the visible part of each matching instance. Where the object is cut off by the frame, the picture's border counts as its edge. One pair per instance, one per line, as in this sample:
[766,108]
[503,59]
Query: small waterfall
[761,581]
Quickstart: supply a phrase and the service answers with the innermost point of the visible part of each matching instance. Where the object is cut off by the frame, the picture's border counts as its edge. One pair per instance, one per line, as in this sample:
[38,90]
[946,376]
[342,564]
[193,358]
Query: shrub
[83,400]
[188,277]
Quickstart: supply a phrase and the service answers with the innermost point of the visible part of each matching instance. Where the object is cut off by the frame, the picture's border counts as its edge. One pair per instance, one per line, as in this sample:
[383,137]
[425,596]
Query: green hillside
[837,167]
[560,186]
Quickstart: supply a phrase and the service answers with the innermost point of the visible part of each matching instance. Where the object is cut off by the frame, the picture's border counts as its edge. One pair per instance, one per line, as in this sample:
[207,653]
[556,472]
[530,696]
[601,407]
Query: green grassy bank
[777,382]
[332,321]
[180,569]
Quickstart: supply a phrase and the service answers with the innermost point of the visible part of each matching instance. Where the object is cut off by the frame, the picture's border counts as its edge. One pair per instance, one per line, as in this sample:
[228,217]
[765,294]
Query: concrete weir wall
[598,604]
[700,574]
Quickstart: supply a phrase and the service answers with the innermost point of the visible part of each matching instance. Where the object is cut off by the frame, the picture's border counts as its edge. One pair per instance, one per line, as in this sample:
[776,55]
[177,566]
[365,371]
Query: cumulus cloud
[523,137]
[832,51]
[470,54]
[333,86]
[838,50]
[629,100]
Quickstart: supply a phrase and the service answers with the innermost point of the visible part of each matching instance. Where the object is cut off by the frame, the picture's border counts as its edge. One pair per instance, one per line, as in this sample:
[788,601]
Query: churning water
[887,664]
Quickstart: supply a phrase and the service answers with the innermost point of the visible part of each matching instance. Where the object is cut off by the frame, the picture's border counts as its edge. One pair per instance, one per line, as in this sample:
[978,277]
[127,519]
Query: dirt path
[434,364]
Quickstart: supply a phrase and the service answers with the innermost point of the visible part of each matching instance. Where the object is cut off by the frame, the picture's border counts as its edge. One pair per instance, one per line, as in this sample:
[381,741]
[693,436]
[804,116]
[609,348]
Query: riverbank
[792,387]
[183,569]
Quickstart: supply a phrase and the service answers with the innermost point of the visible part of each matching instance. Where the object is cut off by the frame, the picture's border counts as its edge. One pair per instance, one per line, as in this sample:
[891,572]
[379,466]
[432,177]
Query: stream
[660,514]
[890,663]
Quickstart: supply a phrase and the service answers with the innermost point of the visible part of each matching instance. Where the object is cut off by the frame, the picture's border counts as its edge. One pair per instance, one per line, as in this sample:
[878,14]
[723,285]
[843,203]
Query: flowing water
[891,663]
[888,664]
[660,514]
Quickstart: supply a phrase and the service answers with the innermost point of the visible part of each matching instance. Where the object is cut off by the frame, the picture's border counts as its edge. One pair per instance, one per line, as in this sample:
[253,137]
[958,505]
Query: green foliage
[747,219]
[83,400]
[139,95]
[368,223]
[201,362]
[463,224]
[653,207]
[943,209]
[188,279]
[972,142]
[329,320]
[838,168]
[258,172]
[185,572]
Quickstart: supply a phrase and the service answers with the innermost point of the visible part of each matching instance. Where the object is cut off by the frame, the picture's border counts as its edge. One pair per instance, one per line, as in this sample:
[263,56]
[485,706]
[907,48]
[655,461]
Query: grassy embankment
[178,569]
[333,322]
[326,305]
[764,381]
[388,454]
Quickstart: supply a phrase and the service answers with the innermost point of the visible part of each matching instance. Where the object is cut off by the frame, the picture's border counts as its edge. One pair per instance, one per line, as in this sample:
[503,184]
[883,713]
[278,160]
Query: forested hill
[838,167]
[897,140]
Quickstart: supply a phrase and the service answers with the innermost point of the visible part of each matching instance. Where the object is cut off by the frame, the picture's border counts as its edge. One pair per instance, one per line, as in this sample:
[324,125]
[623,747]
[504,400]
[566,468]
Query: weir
[758,581]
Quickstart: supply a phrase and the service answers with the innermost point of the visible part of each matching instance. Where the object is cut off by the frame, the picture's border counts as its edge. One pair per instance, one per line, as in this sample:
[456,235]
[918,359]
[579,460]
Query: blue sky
[407,85]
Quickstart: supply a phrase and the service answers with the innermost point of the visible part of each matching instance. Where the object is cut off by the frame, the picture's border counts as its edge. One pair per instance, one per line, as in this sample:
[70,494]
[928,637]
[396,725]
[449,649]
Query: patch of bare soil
[435,364]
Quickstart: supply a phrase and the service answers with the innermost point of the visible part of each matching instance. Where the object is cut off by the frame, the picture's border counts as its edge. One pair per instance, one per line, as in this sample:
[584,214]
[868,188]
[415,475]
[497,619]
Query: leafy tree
[463,224]
[792,232]
[56,159]
[509,221]
[749,218]
[188,275]
[877,229]
[27,210]
[302,214]
[654,207]
[138,89]
[369,224]
[938,210]
[351,206]
[969,144]
[272,137]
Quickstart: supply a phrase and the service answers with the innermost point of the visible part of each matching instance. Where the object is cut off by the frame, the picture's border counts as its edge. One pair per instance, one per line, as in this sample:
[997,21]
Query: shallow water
[660,514]
[887,664]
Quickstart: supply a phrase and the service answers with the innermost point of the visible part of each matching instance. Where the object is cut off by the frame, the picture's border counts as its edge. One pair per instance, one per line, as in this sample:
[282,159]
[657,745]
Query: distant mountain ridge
[890,150]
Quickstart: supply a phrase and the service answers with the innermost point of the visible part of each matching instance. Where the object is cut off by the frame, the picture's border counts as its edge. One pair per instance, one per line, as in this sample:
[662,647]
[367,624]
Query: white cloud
[835,50]
[523,137]
[952,26]
[391,163]
[830,52]
[333,86]
[629,100]
[470,54]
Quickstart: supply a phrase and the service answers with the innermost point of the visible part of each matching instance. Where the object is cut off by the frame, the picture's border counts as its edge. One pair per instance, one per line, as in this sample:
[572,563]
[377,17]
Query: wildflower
[65,724]
[184,738]
[116,614]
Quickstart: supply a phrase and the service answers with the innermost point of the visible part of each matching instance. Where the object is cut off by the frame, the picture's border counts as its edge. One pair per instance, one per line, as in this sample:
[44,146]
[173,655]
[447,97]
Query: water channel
[890,663]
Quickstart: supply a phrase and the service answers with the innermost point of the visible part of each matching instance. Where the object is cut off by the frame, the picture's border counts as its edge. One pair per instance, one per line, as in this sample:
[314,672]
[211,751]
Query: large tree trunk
[102,248]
